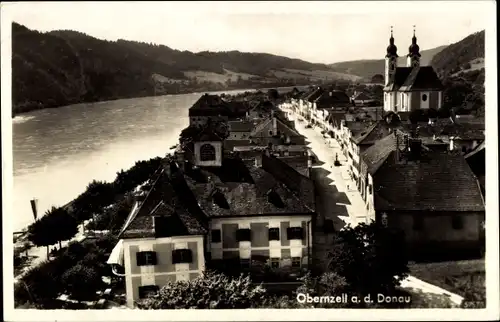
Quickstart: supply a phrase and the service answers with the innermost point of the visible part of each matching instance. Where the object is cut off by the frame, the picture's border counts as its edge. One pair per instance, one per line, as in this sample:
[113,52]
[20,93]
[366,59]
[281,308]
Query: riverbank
[20,111]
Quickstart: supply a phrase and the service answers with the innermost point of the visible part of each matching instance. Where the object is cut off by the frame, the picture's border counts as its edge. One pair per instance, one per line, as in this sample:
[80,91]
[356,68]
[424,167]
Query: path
[39,254]
[341,205]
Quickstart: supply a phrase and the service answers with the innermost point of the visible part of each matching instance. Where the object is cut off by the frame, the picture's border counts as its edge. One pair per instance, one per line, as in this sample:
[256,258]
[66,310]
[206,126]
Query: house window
[295,233]
[245,262]
[207,152]
[216,236]
[180,256]
[270,133]
[274,234]
[370,189]
[418,222]
[147,291]
[243,235]
[275,262]
[296,261]
[424,97]
[146,258]
[457,223]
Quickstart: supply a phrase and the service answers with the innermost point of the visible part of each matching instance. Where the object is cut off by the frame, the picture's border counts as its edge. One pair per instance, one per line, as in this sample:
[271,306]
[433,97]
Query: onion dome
[414,49]
[392,49]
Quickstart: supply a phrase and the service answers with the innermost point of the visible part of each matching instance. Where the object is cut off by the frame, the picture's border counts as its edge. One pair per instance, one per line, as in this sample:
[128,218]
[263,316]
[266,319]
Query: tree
[371,258]
[82,282]
[64,225]
[40,233]
[208,291]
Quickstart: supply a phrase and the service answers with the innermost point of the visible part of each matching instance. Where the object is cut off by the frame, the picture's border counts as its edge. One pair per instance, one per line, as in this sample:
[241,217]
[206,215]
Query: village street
[338,200]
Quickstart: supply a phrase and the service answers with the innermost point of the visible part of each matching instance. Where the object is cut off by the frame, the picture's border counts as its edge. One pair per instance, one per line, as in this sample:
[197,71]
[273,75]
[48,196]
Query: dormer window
[274,198]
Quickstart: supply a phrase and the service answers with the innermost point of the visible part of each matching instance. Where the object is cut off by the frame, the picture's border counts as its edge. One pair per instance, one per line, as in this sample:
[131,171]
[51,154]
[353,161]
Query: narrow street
[336,204]
[338,200]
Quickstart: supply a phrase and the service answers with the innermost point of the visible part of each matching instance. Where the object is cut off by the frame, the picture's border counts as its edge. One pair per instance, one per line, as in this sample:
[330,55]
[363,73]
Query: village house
[432,197]
[411,87]
[216,109]
[209,205]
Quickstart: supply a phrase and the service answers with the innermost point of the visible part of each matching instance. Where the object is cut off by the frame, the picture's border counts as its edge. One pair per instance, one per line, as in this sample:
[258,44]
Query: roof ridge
[132,216]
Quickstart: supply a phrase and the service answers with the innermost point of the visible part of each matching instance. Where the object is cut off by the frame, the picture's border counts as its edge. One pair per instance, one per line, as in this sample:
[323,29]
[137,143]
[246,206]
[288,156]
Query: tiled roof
[441,181]
[398,78]
[422,78]
[162,200]
[375,155]
[372,134]
[362,97]
[444,127]
[332,98]
[238,189]
[314,95]
[262,129]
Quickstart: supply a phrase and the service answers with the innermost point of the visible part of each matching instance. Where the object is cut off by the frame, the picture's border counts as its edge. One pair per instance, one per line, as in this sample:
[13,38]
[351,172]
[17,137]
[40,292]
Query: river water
[57,152]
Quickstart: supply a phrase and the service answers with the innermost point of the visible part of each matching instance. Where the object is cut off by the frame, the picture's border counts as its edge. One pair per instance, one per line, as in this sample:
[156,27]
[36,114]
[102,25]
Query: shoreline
[244,89]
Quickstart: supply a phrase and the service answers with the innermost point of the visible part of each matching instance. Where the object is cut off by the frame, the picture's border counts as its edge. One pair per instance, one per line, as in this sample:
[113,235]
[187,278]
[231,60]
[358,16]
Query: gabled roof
[262,128]
[375,156]
[441,181]
[422,78]
[314,95]
[398,78]
[362,97]
[163,201]
[332,98]
[372,134]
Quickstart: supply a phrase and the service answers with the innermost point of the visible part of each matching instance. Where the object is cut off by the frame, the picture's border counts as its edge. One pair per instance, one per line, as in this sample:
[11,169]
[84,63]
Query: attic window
[274,198]
[424,97]
[220,200]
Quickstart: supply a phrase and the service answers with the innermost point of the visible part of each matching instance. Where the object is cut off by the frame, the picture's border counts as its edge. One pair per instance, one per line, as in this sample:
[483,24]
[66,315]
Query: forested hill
[465,55]
[367,68]
[65,67]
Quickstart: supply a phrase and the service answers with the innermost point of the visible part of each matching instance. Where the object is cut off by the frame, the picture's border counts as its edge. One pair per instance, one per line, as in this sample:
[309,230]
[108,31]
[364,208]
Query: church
[412,87]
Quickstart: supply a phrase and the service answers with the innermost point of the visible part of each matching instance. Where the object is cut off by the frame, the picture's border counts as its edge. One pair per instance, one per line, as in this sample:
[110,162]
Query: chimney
[331,93]
[452,143]
[275,126]
[396,152]
[415,148]
[258,160]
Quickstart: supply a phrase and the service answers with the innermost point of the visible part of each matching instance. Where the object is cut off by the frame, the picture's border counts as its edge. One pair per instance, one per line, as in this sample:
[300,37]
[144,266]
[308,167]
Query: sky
[319,32]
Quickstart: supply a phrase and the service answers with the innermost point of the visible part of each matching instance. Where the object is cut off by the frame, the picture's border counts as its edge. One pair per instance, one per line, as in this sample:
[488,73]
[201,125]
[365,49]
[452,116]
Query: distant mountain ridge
[367,68]
[64,67]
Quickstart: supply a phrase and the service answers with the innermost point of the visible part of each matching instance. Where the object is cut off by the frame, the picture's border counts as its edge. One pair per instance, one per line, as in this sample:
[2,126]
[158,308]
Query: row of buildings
[415,172]
[238,193]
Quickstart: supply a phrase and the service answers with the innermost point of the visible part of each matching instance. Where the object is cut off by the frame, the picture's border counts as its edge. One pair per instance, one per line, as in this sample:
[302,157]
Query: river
[57,152]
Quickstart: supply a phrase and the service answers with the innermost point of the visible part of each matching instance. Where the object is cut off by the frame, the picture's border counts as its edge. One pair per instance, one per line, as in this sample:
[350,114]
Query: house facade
[210,206]
[403,189]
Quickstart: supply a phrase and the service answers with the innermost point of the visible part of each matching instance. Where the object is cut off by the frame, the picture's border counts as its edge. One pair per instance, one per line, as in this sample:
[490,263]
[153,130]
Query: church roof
[398,78]
[422,78]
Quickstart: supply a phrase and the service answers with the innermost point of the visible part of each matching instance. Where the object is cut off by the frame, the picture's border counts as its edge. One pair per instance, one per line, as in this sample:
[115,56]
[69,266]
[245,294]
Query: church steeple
[413,59]
[391,59]
[392,50]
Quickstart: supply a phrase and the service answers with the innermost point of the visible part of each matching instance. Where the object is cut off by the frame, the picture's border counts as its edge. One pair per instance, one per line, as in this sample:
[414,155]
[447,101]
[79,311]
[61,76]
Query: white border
[492,224]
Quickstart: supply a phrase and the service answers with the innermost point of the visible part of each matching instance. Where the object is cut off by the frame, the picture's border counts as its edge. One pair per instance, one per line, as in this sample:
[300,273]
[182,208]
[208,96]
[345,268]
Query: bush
[82,282]
[371,258]
[209,291]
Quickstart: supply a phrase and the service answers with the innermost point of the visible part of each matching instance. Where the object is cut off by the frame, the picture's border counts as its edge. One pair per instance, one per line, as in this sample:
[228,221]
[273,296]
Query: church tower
[391,60]
[413,57]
